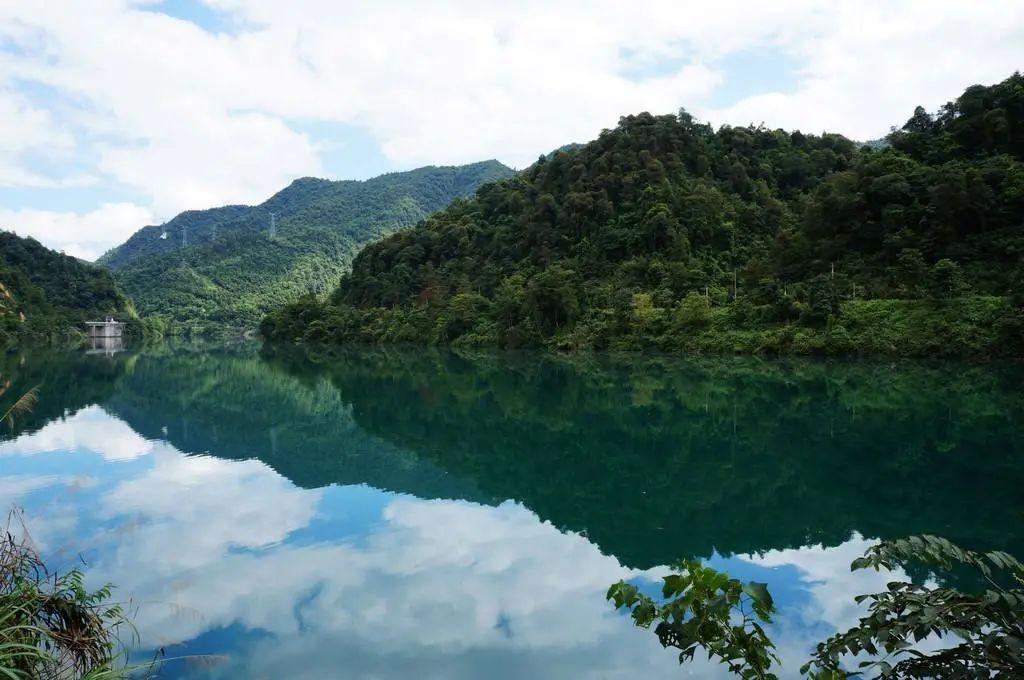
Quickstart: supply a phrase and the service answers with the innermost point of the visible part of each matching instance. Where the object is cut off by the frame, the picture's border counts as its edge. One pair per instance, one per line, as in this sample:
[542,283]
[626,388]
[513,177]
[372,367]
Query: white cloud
[229,505]
[433,581]
[89,430]
[198,543]
[12,488]
[85,235]
[195,119]
[831,583]
[28,128]
[874,62]
[825,574]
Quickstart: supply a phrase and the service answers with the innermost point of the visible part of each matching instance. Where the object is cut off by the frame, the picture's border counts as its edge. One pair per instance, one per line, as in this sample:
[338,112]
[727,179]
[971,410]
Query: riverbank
[974,327]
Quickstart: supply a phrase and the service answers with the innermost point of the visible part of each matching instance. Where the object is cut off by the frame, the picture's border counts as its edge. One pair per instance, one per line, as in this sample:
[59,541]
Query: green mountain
[667,234]
[222,267]
[46,294]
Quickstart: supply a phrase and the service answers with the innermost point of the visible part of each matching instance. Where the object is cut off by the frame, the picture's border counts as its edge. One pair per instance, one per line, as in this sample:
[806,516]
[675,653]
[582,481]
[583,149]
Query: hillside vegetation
[47,295]
[221,268]
[664,233]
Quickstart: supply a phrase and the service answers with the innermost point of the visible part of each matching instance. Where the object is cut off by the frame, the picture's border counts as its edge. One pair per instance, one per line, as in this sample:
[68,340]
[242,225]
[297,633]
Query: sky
[122,113]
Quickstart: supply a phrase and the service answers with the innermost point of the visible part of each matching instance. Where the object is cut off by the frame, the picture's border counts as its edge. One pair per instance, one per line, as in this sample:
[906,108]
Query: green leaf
[759,593]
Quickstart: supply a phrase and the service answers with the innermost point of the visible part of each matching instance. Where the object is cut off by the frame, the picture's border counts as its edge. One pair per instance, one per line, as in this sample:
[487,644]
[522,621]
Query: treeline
[45,295]
[222,269]
[665,233]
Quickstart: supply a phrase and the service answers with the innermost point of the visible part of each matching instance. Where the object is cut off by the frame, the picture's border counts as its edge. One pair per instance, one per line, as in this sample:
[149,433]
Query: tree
[693,311]
[824,302]
[703,608]
[989,624]
[911,271]
[946,280]
[551,297]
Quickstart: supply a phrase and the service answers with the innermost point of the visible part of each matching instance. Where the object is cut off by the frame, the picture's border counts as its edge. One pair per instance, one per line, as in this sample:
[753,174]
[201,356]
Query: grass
[51,625]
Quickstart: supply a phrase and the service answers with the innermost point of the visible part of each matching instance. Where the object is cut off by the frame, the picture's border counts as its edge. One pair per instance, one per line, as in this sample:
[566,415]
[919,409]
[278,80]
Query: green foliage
[47,295]
[232,273]
[693,311]
[705,609]
[987,626]
[599,245]
[946,280]
[51,625]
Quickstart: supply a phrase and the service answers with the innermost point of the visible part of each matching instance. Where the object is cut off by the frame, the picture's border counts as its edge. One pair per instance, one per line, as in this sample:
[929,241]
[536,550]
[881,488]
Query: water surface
[437,515]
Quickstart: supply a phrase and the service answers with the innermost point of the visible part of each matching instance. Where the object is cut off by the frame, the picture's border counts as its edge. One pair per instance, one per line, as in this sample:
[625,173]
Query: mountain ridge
[238,215]
[666,234]
[221,268]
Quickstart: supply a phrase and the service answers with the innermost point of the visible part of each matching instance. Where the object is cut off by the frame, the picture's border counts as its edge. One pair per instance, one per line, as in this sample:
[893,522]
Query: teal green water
[430,514]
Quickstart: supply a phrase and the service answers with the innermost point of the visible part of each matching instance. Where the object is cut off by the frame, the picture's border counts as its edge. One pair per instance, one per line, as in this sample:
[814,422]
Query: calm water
[432,515]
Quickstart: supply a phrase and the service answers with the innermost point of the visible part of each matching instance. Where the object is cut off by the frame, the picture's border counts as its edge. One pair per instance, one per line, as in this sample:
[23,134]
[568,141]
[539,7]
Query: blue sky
[196,103]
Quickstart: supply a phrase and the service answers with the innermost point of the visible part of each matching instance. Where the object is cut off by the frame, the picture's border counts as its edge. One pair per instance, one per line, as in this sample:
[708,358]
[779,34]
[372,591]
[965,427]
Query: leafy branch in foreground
[23,405]
[51,626]
[705,608]
[989,624]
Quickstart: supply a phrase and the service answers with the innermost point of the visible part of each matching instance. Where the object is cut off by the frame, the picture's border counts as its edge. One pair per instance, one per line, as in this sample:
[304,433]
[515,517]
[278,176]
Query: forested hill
[223,268]
[666,233]
[45,294]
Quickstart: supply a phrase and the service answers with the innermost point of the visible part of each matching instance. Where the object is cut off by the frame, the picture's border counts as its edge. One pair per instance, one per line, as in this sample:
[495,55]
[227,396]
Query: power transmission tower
[184,236]
[273,226]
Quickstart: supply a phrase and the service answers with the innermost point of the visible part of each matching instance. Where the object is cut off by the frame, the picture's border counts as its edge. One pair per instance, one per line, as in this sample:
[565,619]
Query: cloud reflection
[90,430]
[302,583]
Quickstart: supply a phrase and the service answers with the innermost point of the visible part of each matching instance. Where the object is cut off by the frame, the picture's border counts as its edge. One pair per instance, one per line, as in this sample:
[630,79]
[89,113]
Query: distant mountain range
[44,293]
[227,267]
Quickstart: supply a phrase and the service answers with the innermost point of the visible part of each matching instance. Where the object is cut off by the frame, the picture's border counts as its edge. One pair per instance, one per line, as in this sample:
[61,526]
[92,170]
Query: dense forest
[665,233]
[223,268]
[47,295]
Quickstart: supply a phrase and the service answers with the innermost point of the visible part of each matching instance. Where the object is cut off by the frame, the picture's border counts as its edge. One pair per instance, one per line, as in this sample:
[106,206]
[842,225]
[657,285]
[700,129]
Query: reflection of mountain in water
[232,405]
[67,381]
[652,458]
[657,457]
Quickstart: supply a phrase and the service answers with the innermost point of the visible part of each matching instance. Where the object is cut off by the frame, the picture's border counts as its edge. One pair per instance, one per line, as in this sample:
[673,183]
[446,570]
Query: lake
[430,514]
